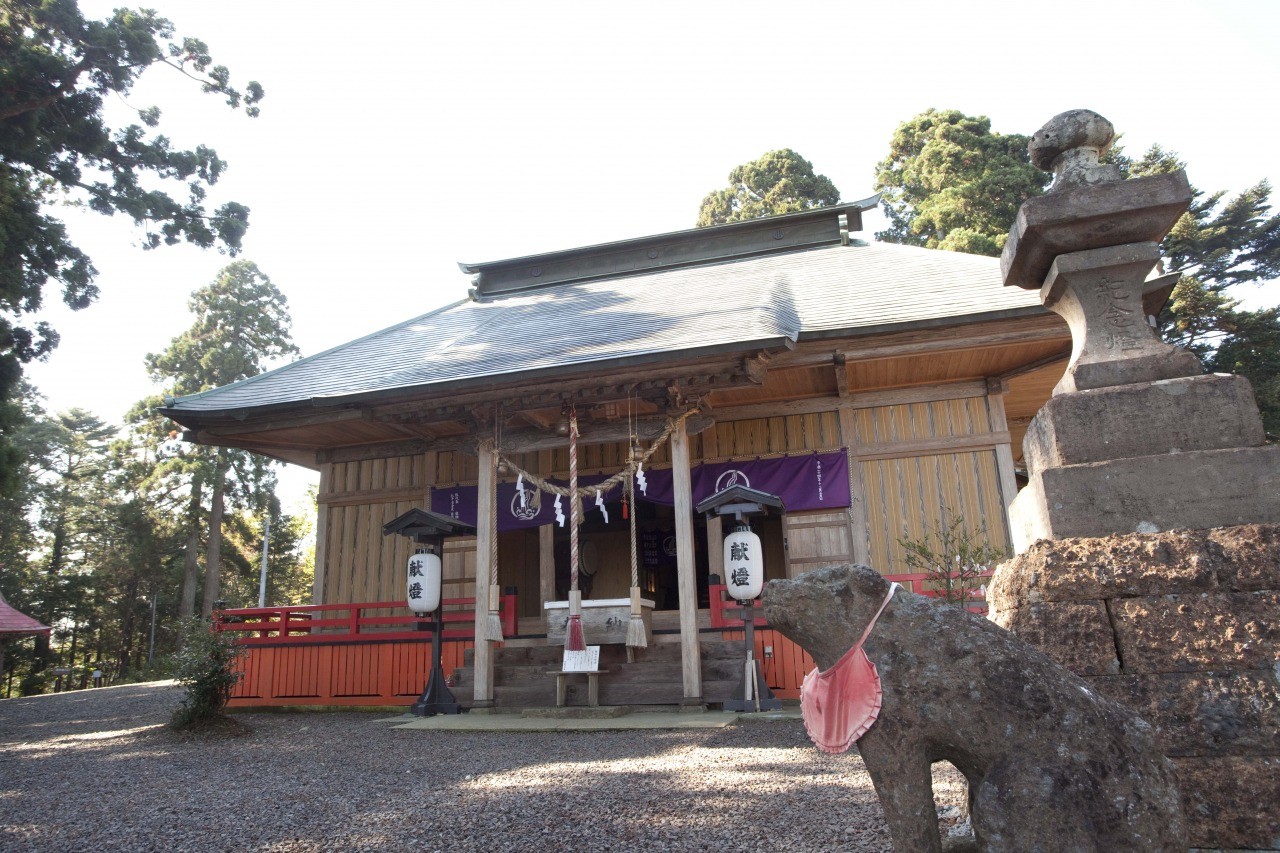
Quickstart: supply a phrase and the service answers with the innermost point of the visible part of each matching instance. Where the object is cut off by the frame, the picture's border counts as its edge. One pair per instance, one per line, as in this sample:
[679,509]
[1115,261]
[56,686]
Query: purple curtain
[809,481]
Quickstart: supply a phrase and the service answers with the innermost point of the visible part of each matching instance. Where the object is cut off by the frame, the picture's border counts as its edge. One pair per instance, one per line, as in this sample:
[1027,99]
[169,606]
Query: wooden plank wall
[919,457]
[912,492]
[359,563]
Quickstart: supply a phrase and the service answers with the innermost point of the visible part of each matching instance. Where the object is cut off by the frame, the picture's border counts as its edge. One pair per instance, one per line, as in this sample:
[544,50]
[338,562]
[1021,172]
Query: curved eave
[195,418]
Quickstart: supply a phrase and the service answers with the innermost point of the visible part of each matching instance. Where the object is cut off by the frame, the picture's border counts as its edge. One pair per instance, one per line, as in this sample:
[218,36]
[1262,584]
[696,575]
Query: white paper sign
[584,661]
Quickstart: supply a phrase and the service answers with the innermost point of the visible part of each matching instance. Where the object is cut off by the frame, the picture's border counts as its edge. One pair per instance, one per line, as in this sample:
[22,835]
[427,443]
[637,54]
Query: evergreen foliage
[206,666]
[56,70]
[778,182]
[950,182]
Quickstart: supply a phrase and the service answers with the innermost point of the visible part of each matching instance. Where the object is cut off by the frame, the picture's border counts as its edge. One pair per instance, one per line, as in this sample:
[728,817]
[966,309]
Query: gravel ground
[99,770]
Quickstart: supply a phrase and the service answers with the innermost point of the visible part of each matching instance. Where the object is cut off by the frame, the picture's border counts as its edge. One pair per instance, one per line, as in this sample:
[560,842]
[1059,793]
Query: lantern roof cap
[740,500]
[419,524]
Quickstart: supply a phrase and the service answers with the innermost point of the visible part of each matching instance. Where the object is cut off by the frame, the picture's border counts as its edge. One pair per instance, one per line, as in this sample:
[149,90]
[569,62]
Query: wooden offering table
[604,620]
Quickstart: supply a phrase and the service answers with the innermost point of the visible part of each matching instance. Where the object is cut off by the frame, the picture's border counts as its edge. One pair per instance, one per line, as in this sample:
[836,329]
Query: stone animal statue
[1051,765]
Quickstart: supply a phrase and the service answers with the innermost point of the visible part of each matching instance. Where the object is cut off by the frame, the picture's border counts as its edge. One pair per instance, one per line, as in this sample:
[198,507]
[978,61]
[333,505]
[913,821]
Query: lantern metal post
[430,529]
[436,697]
[741,502]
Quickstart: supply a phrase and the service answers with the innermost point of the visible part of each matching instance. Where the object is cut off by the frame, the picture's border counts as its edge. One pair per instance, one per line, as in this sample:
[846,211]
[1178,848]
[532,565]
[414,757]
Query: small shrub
[206,666]
[954,559]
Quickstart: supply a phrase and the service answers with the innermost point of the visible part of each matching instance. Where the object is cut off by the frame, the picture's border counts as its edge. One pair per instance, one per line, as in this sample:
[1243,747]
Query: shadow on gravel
[100,770]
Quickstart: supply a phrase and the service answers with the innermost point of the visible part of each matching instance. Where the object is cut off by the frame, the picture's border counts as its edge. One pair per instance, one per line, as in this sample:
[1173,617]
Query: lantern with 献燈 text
[743,563]
[424,582]
[428,531]
[744,580]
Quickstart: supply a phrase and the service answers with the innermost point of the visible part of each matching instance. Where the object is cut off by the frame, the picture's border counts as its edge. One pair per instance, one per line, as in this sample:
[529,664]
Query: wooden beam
[857,400]
[715,546]
[1004,452]
[516,441]
[372,496]
[859,529]
[322,537]
[1038,364]
[547,563]
[379,450]
[485,508]
[956,340]
[269,423]
[687,583]
[933,446]
[648,429]
[293,455]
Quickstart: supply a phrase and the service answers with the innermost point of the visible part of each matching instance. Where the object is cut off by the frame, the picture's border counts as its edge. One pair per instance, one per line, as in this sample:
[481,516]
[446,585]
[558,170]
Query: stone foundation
[1183,626]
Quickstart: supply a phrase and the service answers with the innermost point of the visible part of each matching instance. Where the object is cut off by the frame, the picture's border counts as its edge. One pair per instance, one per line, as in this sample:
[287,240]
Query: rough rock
[1204,713]
[1250,556]
[1051,763]
[1231,801]
[1075,634]
[1198,633]
[1089,569]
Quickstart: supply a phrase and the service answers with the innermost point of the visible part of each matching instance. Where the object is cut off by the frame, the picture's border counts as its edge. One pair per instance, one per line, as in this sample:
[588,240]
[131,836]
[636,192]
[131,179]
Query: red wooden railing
[312,624]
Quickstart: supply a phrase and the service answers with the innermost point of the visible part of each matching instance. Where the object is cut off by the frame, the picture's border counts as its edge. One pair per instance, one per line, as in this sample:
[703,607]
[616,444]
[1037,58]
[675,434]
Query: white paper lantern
[743,564]
[424,583]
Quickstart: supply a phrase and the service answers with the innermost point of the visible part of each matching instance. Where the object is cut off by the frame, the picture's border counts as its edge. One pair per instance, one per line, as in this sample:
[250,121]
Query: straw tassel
[573,638]
[637,636]
[493,623]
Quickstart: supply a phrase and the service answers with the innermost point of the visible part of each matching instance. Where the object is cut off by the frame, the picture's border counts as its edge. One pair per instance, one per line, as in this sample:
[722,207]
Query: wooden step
[654,678]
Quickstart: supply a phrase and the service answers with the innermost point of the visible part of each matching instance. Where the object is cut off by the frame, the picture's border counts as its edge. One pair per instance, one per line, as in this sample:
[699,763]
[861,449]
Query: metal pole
[151,649]
[262,582]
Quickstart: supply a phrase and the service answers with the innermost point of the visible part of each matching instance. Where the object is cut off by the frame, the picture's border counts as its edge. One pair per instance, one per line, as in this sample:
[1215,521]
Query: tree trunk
[187,607]
[213,555]
[126,626]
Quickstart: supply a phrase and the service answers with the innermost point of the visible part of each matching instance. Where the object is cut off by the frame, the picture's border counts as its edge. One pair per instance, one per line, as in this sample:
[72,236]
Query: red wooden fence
[345,654]
[361,654]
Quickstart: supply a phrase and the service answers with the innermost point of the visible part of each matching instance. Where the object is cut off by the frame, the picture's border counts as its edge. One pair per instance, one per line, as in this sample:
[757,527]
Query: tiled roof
[13,622]
[739,304]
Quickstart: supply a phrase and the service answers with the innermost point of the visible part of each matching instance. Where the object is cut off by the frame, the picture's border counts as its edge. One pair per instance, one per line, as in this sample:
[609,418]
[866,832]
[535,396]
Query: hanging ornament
[743,563]
[524,499]
[604,510]
[559,512]
[640,481]
[424,582]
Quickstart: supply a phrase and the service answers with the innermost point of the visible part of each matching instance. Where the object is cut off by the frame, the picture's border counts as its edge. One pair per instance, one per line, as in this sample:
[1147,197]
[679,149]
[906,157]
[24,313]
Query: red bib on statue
[839,705]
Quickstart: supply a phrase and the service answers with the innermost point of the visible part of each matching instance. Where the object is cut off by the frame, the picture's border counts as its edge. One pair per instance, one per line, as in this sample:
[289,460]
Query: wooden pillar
[322,534]
[858,530]
[1004,452]
[546,564]
[687,581]
[485,508]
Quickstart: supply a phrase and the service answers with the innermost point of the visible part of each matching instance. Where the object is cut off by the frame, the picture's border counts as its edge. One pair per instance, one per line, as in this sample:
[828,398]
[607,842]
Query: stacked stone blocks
[1182,627]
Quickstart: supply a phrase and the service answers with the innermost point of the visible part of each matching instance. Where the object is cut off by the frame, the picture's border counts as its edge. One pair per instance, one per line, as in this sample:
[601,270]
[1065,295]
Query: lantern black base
[768,702]
[436,698]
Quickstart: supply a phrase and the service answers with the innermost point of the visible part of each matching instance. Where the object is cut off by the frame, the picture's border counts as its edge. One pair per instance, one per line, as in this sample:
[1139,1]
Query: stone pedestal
[1145,457]
[1147,539]
[1182,627]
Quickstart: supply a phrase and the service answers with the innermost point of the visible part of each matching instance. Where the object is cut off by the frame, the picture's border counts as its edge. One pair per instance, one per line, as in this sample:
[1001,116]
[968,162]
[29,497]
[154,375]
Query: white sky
[399,138]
